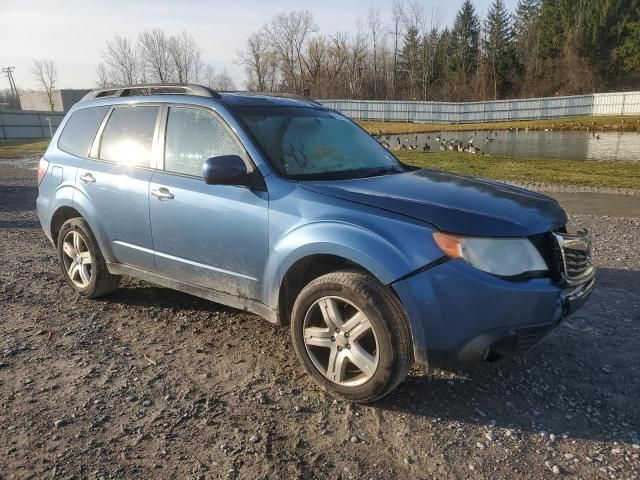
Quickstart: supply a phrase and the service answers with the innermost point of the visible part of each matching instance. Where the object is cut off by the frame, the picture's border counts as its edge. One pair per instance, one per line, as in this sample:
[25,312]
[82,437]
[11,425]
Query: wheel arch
[302,272]
[64,211]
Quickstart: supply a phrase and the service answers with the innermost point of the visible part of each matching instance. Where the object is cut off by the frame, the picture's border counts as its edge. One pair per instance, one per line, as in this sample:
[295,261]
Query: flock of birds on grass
[453,145]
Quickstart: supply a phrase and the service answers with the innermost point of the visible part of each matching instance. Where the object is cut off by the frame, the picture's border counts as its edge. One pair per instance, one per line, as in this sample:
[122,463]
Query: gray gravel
[220,379]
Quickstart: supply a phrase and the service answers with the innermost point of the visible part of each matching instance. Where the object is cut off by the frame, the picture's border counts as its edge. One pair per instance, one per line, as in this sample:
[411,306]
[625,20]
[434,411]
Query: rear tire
[352,335]
[81,261]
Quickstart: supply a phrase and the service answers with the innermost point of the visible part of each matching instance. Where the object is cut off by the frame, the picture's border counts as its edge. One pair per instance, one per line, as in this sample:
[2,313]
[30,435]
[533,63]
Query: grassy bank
[532,170]
[22,148]
[617,123]
[525,170]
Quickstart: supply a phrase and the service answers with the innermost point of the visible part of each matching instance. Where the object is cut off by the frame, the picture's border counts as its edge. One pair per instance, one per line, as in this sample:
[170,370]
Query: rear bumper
[461,315]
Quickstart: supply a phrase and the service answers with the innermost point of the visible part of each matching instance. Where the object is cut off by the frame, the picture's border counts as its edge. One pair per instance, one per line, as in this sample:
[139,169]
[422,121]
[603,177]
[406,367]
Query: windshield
[308,143]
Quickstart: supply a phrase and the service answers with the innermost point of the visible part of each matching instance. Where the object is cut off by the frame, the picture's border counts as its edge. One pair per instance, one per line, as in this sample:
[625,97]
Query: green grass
[22,148]
[531,170]
[619,122]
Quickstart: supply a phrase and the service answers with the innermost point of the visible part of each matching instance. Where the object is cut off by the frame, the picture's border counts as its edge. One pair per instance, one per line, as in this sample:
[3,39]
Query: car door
[212,236]
[116,179]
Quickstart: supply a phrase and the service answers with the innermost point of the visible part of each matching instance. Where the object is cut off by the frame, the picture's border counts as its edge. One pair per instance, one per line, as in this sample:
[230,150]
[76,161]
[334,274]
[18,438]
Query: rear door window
[192,136]
[128,136]
[80,130]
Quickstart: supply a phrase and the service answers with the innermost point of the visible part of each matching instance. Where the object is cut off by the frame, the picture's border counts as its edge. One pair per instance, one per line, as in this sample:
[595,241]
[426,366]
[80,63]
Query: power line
[8,71]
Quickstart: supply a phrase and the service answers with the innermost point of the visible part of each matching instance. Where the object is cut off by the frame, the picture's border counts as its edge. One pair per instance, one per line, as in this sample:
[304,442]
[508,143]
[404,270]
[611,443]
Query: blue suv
[281,207]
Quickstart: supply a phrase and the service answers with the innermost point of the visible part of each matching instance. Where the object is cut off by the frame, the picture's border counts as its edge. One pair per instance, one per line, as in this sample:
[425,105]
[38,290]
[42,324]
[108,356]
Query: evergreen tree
[466,36]
[410,60]
[628,54]
[498,46]
[525,17]
[526,31]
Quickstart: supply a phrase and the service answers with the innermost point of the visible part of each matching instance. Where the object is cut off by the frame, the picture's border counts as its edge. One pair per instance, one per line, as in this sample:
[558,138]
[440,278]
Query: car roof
[155,92]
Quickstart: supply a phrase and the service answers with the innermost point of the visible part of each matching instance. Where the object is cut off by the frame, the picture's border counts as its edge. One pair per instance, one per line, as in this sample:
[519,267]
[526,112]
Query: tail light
[42,169]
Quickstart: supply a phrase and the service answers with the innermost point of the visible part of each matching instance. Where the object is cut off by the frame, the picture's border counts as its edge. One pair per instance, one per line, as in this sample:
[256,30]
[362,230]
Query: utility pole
[12,84]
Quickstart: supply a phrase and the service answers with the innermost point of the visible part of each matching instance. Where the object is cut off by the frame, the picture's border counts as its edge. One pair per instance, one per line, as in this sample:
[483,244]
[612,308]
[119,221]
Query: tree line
[157,57]
[543,48]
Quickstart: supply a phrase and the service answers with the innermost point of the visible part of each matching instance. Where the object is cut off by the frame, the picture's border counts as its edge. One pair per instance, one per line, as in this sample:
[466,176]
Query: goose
[426,147]
[398,140]
[385,144]
[490,139]
[443,147]
[413,147]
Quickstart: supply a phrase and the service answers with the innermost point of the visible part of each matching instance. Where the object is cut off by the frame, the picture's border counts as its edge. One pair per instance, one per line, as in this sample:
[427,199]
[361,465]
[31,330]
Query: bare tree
[223,82]
[156,55]
[287,35]
[258,62]
[184,55]
[46,74]
[104,79]
[374,24]
[123,61]
[397,17]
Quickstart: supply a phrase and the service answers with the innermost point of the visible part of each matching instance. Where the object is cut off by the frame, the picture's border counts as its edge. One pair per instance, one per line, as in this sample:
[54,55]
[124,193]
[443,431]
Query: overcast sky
[73,32]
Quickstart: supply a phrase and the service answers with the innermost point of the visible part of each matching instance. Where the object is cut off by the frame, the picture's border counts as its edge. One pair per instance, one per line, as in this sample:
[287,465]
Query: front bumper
[459,314]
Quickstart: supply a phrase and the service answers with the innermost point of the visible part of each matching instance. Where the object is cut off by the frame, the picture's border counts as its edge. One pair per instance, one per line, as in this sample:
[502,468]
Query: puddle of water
[620,146]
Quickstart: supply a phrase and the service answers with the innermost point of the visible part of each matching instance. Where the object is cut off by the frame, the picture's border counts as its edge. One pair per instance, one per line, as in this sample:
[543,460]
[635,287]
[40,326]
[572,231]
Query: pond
[580,145]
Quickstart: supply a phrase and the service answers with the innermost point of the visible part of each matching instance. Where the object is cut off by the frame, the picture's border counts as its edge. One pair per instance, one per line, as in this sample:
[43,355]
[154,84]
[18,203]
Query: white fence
[627,103]
[18,124]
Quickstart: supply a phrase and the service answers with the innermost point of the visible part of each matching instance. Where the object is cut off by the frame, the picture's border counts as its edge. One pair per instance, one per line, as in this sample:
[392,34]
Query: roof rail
[152,89]
[292,96]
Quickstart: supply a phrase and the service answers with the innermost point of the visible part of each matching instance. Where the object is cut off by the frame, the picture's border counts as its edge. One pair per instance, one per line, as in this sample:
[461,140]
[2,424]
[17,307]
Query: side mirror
[225,170]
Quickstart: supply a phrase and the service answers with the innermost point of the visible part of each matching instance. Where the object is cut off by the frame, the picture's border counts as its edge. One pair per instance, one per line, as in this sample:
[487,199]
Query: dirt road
[151,383]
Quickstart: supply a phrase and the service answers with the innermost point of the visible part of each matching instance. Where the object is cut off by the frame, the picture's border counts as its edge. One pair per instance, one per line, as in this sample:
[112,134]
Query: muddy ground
[151,383]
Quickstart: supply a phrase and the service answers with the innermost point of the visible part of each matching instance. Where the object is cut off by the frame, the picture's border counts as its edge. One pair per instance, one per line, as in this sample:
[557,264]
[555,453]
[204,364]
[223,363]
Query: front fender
[370,250]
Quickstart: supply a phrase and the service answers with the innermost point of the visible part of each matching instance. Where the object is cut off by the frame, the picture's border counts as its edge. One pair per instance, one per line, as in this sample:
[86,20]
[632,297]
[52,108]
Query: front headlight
[505,257]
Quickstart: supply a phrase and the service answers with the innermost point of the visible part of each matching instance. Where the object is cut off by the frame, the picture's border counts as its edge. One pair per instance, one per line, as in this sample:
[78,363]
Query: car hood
[452,203]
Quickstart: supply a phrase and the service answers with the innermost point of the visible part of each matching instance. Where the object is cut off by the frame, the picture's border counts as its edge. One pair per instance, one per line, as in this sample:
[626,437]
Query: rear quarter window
[80,130]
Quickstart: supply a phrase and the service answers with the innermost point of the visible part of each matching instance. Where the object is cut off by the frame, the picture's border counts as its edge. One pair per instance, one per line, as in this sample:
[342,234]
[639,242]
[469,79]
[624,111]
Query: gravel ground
[152,383]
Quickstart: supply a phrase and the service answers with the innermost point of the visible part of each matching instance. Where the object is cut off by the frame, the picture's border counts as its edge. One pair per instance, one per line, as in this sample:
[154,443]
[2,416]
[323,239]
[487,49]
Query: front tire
[351,335]
[81,261]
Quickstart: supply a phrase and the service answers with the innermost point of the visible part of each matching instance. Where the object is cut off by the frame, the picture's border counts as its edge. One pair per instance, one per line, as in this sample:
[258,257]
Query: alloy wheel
[341,341]
[77,259]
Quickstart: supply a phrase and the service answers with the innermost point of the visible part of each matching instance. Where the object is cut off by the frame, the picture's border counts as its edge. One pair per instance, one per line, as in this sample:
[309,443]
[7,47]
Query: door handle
[87,178]
[162,194]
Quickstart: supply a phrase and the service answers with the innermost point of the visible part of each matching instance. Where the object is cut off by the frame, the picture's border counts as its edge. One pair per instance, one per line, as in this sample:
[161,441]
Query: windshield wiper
[375,172]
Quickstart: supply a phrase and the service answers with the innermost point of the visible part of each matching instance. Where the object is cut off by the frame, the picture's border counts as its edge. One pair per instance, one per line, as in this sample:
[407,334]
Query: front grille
[573,257]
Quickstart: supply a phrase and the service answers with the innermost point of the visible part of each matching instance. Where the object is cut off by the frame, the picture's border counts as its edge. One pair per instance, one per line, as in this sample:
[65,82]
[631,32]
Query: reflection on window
[128,135]
[193,135]
[309,141]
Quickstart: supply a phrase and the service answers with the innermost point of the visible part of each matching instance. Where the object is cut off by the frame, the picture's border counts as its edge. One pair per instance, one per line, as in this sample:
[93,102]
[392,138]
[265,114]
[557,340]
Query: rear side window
[192,136]
[128,136]
[80,130]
